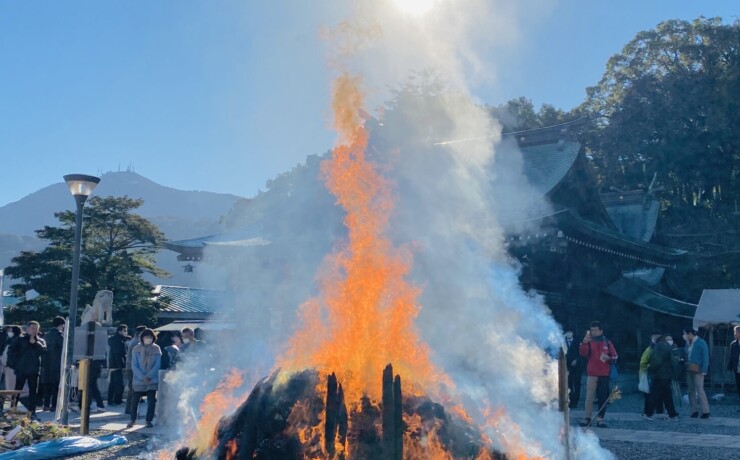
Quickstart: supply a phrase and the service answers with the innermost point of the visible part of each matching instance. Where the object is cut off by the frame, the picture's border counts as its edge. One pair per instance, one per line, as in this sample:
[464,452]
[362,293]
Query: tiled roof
[634,213]
[179,299]
[641,295]
[545,165]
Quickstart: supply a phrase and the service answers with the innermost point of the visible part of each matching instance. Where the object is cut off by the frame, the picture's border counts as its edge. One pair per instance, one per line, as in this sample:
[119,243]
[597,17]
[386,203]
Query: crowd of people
[662,366]
[31,362]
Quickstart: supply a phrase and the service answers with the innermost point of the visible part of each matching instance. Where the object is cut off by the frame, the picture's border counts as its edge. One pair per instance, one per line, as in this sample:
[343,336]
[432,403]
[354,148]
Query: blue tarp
[61,447]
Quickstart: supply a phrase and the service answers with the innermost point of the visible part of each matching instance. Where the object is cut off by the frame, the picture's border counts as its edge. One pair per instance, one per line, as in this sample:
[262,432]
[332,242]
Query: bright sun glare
[414,7]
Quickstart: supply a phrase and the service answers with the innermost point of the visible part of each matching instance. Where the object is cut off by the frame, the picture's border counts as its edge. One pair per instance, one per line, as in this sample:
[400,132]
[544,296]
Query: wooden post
[84,383]
[563,400]
[85,402]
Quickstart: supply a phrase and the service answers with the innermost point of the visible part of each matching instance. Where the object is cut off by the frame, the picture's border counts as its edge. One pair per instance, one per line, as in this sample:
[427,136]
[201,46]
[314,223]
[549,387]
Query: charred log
[389,419]
[342,417]
[392,415]
[335,426]
[398,428]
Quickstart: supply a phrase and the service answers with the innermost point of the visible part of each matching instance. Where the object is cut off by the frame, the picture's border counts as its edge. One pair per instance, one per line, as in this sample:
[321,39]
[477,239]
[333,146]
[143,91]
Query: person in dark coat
[661,375]
[24,357]
[733,365]
[117,364]
[576,363]
[14,332]
[3,342]
[51,364]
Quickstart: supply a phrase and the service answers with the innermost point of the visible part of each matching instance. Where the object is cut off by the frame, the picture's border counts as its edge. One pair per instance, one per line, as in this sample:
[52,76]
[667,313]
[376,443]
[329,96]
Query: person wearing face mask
[697,365]
[661,373]
[189,342]
[575,369]
[145,363]
[13,332]
[733,364]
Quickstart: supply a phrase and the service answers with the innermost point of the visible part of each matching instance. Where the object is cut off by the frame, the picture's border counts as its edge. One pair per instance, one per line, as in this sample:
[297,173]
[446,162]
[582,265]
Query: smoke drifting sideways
[455,203]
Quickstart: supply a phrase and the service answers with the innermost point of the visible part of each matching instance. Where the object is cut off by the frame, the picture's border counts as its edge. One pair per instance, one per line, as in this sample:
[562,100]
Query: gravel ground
[728,407]
[141,446]
[633,403]
[635,451]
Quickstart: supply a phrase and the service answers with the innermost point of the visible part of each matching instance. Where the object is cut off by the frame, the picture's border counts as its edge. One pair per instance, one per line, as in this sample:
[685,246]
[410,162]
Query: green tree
[519,114]
[118,248]
[669,104]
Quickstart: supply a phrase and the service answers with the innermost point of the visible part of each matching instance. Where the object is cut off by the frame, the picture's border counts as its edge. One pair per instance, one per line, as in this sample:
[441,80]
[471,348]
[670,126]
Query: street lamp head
[81,184]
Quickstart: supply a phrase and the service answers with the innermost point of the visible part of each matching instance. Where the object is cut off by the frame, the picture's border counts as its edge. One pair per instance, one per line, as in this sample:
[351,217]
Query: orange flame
[511,437]
[215,405]
[369,306]
[231,449]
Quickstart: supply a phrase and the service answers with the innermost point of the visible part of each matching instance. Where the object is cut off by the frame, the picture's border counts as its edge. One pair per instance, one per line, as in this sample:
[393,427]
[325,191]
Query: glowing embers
[305,416]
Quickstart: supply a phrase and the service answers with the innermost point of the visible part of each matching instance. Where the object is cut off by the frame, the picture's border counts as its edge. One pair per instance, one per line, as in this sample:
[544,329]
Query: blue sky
[222,96]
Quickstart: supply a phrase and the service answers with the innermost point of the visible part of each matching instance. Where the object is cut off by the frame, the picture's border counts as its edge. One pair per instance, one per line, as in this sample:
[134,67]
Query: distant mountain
[166,206]
[179,214]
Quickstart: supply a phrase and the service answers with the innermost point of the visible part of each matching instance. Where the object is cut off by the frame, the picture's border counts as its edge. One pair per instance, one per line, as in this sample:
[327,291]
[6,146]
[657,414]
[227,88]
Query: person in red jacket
[600,354]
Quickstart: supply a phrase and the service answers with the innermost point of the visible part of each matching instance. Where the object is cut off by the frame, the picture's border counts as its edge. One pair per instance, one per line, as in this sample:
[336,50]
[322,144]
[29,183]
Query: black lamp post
[81,187]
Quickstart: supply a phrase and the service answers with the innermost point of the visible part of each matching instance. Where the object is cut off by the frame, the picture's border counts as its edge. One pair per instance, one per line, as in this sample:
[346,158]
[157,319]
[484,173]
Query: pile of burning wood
[289,418]
[17,430]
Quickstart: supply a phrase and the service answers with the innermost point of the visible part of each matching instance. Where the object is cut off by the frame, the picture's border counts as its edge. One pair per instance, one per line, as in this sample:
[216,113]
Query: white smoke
[455,203]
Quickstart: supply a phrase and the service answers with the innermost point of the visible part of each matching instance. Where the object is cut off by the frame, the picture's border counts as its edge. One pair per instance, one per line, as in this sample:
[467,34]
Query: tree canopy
[669,105]
[118,248]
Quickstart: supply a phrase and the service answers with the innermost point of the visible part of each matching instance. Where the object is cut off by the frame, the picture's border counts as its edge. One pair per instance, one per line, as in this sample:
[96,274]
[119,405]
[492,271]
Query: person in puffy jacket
[146,359]
[600,354]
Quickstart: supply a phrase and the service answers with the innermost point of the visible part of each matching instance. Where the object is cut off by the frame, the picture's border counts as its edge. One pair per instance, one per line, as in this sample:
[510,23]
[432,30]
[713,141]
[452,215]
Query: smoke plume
[458,190]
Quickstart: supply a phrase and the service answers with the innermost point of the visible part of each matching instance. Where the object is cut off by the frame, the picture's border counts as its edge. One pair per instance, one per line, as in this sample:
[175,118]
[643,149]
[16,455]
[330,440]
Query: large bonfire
[355,381]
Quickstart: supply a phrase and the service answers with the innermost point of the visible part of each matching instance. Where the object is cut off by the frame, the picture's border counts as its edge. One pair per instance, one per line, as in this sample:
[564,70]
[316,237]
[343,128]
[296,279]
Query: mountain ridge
[178,213]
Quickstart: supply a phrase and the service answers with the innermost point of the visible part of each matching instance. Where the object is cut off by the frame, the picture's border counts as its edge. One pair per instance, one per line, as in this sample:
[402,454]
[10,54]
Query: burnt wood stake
[389,420]
[342,419]
[332,414]
[398,418]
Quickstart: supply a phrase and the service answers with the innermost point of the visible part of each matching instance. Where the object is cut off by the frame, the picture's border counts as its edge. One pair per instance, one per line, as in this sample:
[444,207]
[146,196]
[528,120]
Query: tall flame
[215,404]
[363,318]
